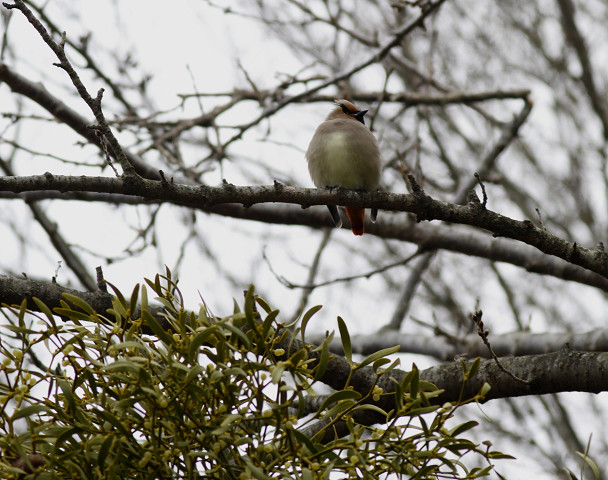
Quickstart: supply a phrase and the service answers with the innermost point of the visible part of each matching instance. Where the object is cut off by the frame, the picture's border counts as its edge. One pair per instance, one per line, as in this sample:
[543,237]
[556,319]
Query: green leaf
[124,366]
[238,333]
[323,358]
[193,373]
[371,407]
[67,392]
[339,396]
[116,423]
[277,372]
[463,427]
[130,344]
[28,411]
[378,363]
[393,365]
[157,330]
[71,314]
[200,338]
[345,337]
[119,296]
[592,465]
[312,447]
[268,321]
[119,308]
[67,433]
[227,423]
[340,407]
[104,450]
[306,318]
[474,368]
[379,354]
[571,473]
[250,307]
[414,381]
[235,305]
[500,455]
[416,412]
[46,310]
[257,473]
[134,298]
[263,303]
[144,298]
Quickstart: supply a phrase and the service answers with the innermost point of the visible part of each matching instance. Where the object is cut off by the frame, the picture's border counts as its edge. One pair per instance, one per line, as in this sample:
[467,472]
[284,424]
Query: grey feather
[335,214]
[373,214]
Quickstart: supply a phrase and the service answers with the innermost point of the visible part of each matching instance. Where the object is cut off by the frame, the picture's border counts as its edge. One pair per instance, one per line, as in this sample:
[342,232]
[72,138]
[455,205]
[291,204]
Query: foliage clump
[142,392]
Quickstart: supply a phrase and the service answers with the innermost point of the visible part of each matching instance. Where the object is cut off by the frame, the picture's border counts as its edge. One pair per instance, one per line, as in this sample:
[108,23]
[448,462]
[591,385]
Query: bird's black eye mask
[346,110]
[358,115]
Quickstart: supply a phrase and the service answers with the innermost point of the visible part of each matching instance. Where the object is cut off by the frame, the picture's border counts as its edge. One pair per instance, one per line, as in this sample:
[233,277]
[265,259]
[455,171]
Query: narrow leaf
[345,337]
[379,354]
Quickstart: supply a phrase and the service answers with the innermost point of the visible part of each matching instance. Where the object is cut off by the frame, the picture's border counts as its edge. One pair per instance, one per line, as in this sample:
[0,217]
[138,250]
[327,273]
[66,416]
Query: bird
[344,153]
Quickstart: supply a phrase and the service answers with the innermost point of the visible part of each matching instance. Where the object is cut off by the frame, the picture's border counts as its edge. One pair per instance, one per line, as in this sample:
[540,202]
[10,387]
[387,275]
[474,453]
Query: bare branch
[66,115]
[576,40]
[409,289]
[427,237]
[446,348]
[425,207]
[487,163]
[93,103]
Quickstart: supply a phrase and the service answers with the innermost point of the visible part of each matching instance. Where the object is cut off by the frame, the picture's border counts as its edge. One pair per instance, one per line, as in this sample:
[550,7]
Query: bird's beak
[360,116]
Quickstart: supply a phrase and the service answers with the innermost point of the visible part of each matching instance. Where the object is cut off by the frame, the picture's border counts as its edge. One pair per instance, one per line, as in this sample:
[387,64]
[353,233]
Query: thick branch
[446,349]
[428,237]
[425,207]
[14,290]
[565,370]
[562,371]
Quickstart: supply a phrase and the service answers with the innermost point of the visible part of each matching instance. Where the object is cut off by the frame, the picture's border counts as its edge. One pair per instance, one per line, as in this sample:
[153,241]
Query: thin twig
[312,273]
[483,333]
[310,287]
[483,190]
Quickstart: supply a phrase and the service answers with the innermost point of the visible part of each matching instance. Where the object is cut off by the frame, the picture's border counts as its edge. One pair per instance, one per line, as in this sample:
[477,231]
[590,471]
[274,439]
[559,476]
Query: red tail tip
[356,217]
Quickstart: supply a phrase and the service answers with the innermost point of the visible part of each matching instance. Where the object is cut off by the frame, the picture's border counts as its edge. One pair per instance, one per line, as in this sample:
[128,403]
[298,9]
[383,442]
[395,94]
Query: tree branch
[14,290]
[72,260]
[37,93]
[410,99]
[428,237]
[93,103]
[577,42]
[446,348]
[425,207]
[565,370]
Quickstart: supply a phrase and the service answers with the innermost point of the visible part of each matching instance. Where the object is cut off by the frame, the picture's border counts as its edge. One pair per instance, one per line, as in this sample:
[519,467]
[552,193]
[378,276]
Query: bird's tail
[356,217]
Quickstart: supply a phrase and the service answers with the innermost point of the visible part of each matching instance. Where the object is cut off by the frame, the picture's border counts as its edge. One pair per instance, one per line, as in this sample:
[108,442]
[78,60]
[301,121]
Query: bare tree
[493,126]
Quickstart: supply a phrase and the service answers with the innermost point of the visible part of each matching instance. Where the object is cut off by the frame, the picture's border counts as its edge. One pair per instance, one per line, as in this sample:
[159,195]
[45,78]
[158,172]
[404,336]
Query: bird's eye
[346,110]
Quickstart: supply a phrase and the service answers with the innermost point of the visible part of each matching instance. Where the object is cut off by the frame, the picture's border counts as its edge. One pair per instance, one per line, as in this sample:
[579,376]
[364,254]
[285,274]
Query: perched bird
[344,153]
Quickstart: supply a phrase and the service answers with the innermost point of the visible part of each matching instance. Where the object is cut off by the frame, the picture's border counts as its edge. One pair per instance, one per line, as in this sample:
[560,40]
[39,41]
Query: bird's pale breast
[344,152]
